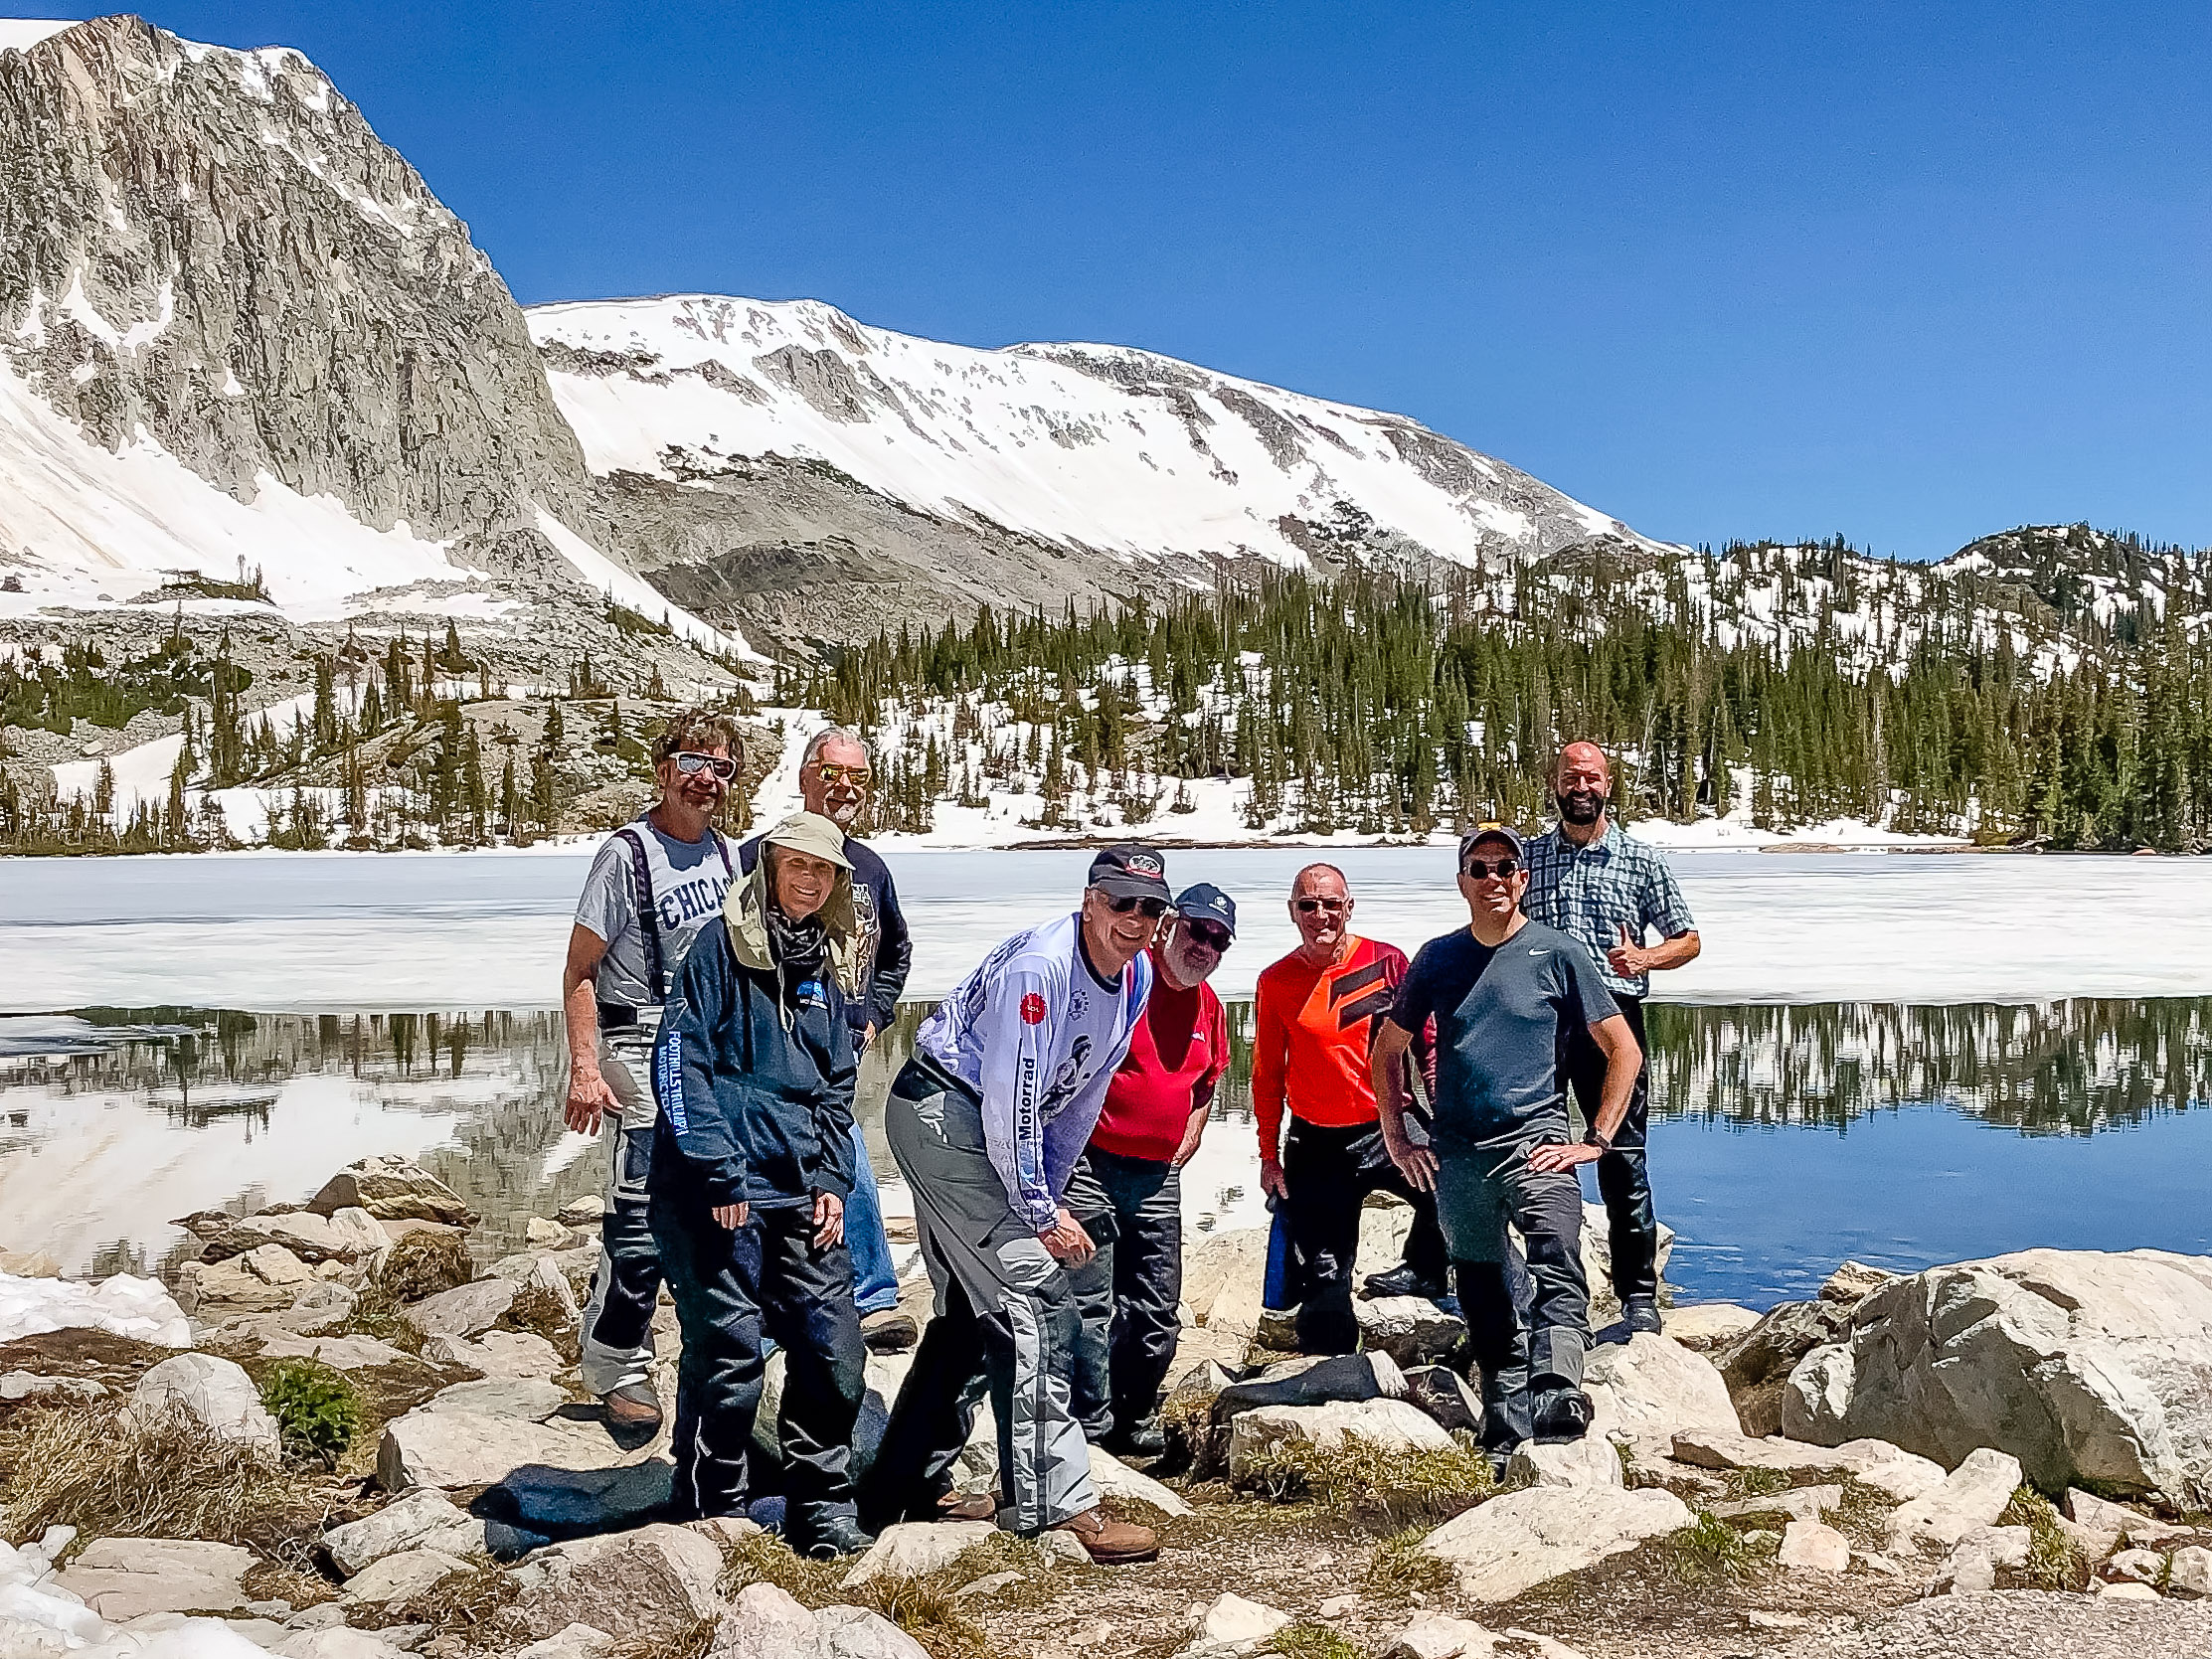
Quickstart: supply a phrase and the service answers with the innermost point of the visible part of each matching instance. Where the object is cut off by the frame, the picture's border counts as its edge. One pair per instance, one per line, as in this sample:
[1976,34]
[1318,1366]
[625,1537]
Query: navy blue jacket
[756,1089]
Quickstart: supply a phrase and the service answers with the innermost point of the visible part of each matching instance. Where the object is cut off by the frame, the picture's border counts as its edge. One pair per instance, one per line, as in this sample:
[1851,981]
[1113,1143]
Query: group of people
[1042,1124]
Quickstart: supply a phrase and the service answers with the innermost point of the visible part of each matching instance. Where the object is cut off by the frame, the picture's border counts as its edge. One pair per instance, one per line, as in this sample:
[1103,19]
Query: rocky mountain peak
[213,246]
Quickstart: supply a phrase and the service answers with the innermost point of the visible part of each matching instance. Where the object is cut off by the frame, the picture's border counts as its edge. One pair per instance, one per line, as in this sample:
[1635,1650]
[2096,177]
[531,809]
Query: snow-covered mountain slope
[238,334]
[1102,448]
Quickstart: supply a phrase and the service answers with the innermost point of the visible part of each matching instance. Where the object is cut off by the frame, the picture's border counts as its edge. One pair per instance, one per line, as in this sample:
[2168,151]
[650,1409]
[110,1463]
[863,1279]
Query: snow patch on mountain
[1104,447]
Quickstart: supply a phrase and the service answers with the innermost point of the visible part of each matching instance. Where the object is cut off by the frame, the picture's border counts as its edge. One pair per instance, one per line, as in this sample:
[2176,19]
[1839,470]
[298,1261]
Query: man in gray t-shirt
[655,884]
[1505,994]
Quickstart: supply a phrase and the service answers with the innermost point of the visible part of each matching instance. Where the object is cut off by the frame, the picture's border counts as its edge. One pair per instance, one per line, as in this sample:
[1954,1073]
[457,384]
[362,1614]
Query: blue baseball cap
[1490,832]
[1204,902]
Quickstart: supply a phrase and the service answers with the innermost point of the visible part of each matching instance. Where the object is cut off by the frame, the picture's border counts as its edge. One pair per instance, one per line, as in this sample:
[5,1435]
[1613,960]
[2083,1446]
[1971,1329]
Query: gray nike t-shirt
[1501,1015]
[689,878]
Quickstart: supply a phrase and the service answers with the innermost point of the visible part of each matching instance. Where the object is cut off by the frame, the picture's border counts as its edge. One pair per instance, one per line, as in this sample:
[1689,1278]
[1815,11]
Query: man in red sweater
[1128,1192]
[1314,1026]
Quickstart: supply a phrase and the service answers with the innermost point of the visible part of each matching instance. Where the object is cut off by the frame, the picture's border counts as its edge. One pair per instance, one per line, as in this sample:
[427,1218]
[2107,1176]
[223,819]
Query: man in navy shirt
[1505,993]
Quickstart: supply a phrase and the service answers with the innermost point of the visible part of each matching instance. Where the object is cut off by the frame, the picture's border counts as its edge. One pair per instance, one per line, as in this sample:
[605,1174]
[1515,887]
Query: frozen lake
[336,933]
[1902,1057]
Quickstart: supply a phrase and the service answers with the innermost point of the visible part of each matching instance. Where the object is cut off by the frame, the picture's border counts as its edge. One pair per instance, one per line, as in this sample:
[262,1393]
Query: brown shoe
[968,1506]
[633,1407]
[1111,1542]
[889,1332]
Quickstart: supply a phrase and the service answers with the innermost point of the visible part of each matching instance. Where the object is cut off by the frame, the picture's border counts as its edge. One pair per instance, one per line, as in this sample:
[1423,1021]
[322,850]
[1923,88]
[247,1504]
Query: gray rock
[336,1641]
[1514,1543]
[581,1212]
[1877,1463]
[1117,1481]
[1230,1625]
[2142,1566]
[213,1290]
[1387,1424]
[340,1352]
[1971,1496]
[1650,1388]
[2089,1367]
[321,1308]
[345,1235]
[520,1398]
[911,1549]
[453,1449]
[2191,1572]
[650,1584]
[765,1622]
[1222,1280]
[1976,1559]
[578,1642]
[399,1525]
[463,1312]
[391,1189]
[2118,1519]
[403,1575]
[1708,1326]
[1756,1364]
[1813,1546]
[1314,1381]
[26,1385]
[121,1578]
[1439,1636]
[1799,1503]
[214,1393]
[1589,1461]
[1411,1329]
[1854,1281]
[496,1354]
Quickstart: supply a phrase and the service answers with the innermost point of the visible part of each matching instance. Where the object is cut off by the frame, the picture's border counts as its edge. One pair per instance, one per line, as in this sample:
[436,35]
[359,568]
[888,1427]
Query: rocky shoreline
[343,1437]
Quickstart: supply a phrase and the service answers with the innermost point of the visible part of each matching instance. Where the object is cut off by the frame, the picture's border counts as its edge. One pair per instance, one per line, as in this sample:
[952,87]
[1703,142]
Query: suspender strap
[649,912]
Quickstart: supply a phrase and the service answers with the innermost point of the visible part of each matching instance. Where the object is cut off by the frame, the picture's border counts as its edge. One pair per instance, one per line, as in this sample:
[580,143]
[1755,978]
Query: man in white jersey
[653,886]
[987,1120]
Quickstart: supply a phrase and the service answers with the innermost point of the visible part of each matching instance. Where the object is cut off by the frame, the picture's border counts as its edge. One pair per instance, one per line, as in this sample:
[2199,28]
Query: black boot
[1640,1313]
[827,1537]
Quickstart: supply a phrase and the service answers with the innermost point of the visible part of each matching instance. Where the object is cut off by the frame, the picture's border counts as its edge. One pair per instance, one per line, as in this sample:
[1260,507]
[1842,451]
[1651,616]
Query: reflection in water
[113,1121]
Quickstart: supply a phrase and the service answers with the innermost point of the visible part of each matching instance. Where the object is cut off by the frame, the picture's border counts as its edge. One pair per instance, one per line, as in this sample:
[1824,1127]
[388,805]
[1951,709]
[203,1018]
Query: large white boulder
[1589,1461]
[1903,1476]
[216,1393]
[911,1549]
[134,1308]
[2088,1366]
[1650,1388]
[462,1312]
[765,1622]
[1514,1543]
[453,1449]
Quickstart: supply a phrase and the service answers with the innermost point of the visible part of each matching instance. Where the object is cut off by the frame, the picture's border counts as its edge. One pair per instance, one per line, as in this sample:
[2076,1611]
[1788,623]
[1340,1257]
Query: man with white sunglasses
[654,885]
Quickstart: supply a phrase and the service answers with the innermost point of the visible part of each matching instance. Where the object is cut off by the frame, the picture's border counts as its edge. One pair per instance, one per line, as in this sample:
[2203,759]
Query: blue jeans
[874,1283]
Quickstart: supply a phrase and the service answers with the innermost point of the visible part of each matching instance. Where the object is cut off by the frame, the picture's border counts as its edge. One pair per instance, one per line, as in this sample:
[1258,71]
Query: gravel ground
[2021,1624]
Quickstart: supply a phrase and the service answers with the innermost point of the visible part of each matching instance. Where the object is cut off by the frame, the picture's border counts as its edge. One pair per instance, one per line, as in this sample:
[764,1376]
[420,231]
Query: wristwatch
[1601,1143]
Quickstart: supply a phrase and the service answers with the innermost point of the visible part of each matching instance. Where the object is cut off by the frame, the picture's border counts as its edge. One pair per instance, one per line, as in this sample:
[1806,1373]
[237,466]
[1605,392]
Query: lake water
[1905,1059]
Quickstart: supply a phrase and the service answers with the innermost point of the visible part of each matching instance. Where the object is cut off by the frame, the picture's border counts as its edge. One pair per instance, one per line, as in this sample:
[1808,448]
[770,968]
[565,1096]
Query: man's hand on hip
[588,1101]
[1551,1158]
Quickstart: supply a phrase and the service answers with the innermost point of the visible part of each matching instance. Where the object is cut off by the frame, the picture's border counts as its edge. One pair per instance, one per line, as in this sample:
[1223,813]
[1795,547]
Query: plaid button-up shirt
[1588,891]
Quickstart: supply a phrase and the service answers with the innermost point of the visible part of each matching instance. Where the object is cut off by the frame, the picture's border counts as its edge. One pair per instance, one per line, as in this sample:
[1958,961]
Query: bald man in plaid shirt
[1592,879]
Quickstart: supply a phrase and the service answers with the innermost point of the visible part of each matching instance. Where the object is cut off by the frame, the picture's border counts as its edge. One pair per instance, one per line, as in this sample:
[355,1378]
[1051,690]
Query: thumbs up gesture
[1627,958]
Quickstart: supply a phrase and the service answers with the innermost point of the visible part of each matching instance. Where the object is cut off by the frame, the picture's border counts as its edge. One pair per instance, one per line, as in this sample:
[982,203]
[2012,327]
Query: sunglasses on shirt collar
[691,764]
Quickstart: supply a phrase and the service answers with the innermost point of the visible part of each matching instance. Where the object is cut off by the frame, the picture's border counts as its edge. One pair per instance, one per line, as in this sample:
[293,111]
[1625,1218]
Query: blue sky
[1911,272]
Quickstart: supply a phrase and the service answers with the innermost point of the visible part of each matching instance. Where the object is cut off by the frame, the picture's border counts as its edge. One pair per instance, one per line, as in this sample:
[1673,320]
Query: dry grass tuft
[1401,1566]
[1381,1486]
[116,1475]
[539,1310]
[1312,1641]
[1757,1483]
[424,1263]
[461,1605]
[1708,1549]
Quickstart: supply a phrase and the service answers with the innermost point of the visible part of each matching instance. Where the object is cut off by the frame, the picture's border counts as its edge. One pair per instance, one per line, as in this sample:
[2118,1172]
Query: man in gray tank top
[655,884]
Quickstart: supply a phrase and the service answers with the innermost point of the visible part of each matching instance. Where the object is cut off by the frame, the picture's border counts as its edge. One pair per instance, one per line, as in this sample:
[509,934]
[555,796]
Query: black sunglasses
[1153,907]
[691,764]
[1209,933]
[1479,868]
[1307,906]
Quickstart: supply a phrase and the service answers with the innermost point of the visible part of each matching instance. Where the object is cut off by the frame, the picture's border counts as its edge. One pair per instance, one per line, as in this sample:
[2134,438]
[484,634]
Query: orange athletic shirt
[1314,1029]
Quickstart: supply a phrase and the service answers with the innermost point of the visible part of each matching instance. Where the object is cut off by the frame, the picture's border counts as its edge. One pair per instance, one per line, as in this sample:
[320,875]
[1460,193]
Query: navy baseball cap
[1131,871]
[1204,902]
[1489,832]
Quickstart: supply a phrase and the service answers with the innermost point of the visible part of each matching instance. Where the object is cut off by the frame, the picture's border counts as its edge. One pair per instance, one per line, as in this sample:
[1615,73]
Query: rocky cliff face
[213,246]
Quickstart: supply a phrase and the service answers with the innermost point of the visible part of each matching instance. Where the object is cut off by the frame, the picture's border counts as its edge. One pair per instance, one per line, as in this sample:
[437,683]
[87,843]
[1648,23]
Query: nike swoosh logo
[1534,951]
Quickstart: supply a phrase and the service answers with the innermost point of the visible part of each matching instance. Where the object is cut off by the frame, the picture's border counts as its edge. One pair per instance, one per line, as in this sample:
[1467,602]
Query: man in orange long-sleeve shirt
[1314,1027]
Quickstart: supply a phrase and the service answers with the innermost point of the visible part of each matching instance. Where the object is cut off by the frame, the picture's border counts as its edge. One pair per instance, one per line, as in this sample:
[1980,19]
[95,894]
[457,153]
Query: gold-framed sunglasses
[858,777]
